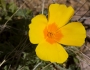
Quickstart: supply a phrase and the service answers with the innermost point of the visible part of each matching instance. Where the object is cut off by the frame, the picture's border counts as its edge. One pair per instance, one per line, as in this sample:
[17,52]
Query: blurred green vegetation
[15,47]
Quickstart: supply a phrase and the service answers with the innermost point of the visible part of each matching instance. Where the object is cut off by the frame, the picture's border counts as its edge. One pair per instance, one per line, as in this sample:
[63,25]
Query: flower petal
[73,34]
[37,26]
[51,52]
[60,14]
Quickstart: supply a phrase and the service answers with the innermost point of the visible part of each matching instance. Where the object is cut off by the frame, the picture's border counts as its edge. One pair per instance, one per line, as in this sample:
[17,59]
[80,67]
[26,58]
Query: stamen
[51,34]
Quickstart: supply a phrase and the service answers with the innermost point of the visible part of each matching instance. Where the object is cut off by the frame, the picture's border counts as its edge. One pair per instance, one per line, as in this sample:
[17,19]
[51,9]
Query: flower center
[52,33]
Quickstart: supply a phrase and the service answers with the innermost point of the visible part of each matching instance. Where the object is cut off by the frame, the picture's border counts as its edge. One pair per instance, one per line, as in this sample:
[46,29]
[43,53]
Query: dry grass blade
[5,25]
[84,62]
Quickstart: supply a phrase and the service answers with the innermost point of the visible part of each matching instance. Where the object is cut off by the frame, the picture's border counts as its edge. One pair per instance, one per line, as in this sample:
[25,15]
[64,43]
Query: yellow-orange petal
[73,34]
[60,14]
[51,52]
[38,23]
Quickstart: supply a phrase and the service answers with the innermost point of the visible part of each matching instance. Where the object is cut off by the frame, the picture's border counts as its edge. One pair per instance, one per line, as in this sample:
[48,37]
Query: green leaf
[3,3]
[23,68]
[20,13]
[12,7]
[7,17]
[76,60]
[49,67]
[60,67]
[5,68]
[23,12]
